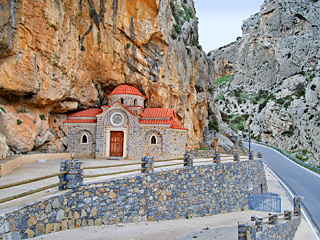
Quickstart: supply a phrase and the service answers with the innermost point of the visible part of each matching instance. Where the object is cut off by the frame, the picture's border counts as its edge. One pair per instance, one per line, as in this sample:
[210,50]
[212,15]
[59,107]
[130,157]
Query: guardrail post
[188,160]
[297,205]
[74,177]
[251,155]
[216,158]
[236,157]
[147,164]
[287,215]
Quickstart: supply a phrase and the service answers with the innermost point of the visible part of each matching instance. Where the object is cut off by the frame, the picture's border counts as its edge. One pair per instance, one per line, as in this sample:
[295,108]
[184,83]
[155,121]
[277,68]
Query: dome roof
[126,90]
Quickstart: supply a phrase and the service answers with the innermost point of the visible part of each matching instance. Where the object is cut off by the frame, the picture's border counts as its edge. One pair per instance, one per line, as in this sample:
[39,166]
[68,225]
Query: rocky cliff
[61,56]
[269,79]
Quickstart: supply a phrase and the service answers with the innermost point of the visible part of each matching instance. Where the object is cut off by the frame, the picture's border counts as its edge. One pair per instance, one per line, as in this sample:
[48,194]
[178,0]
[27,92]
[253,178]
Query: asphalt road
[301,181]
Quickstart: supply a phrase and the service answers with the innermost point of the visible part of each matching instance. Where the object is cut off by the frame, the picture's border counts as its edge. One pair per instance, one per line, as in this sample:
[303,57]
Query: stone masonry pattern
[172,194]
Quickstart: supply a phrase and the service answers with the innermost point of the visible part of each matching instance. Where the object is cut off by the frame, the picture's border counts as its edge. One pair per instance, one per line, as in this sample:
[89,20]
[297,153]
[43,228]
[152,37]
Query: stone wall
[189,191]
[284,231]
[278,226]
[75,133]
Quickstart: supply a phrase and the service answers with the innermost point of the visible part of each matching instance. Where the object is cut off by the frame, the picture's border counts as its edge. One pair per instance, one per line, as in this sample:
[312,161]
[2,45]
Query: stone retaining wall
[179,193]
[284,231]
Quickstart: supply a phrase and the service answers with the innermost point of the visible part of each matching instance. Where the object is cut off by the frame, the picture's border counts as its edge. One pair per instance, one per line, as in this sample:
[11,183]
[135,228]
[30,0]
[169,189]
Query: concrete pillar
[236,157]
[74,177]
[188,160]
[147,164]
[216,158]
[297,205]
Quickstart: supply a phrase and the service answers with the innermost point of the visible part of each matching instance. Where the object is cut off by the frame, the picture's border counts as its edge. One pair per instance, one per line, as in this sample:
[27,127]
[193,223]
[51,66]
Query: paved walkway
[223,226]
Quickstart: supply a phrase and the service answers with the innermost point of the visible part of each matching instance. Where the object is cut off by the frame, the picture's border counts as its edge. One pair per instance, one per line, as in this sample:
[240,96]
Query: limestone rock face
[4,149]
[62,56]
[274,77]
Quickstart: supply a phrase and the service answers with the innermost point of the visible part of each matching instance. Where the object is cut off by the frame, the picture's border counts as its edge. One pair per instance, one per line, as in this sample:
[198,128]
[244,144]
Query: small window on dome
[153,140]
[121,100]
[84,138]
[135,102]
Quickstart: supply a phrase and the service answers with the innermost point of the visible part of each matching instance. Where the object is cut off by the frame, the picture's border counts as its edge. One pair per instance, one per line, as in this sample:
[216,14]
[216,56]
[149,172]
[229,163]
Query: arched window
[84,138]
[153,140]
[135,102]
[121,100]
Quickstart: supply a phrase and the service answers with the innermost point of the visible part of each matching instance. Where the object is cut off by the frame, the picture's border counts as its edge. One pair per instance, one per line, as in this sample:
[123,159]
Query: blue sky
[220,20]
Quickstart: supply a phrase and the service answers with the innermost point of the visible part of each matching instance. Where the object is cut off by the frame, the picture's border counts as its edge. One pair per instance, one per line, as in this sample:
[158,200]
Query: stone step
[114,158]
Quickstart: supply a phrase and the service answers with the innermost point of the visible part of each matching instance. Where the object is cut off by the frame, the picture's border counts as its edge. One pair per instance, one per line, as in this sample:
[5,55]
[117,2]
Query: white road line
[316,174]
[303,212]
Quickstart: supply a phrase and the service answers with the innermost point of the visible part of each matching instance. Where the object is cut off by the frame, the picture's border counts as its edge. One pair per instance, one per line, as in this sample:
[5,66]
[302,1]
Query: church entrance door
[116,144]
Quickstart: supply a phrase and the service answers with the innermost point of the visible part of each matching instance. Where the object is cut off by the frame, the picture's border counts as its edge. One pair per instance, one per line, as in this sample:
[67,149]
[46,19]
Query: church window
[153,140]
[135,102]
[84,138]
[121,100]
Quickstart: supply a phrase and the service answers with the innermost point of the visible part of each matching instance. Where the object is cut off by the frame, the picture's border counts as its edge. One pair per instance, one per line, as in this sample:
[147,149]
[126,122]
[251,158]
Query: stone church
[125,129]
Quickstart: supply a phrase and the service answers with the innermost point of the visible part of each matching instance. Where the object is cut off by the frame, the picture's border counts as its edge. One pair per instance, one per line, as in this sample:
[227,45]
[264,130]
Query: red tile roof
[80,120]
[157,113]
[176,124]
[126,90]
[160,116]
[93,112]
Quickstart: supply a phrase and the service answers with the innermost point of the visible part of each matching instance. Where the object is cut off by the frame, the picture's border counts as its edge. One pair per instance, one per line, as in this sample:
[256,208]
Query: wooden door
[116,144]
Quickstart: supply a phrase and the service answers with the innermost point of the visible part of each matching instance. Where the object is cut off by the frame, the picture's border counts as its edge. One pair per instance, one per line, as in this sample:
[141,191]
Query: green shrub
[300,90]
[82,48]
[127,45]
[214,125]
[313,87]
[42,117]
[19,121]
[188,11]
[223,79]
[177,27]
[3,110]
[174,34]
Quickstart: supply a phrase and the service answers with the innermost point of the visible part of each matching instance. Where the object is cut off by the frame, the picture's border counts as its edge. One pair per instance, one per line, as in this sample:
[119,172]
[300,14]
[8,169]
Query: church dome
[125,89]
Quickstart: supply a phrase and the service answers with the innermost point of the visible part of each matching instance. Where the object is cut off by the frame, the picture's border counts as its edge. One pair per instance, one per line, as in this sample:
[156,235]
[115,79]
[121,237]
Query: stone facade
[172,194]
[137,124]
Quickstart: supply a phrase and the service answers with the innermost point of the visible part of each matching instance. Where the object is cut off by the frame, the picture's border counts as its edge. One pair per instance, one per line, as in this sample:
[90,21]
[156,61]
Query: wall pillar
[297,205]
[236,157]
[147,164]
[216,158]
[188,160]
[288,215]
[74,177]
[258,222]
[273,218]
[245,232]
